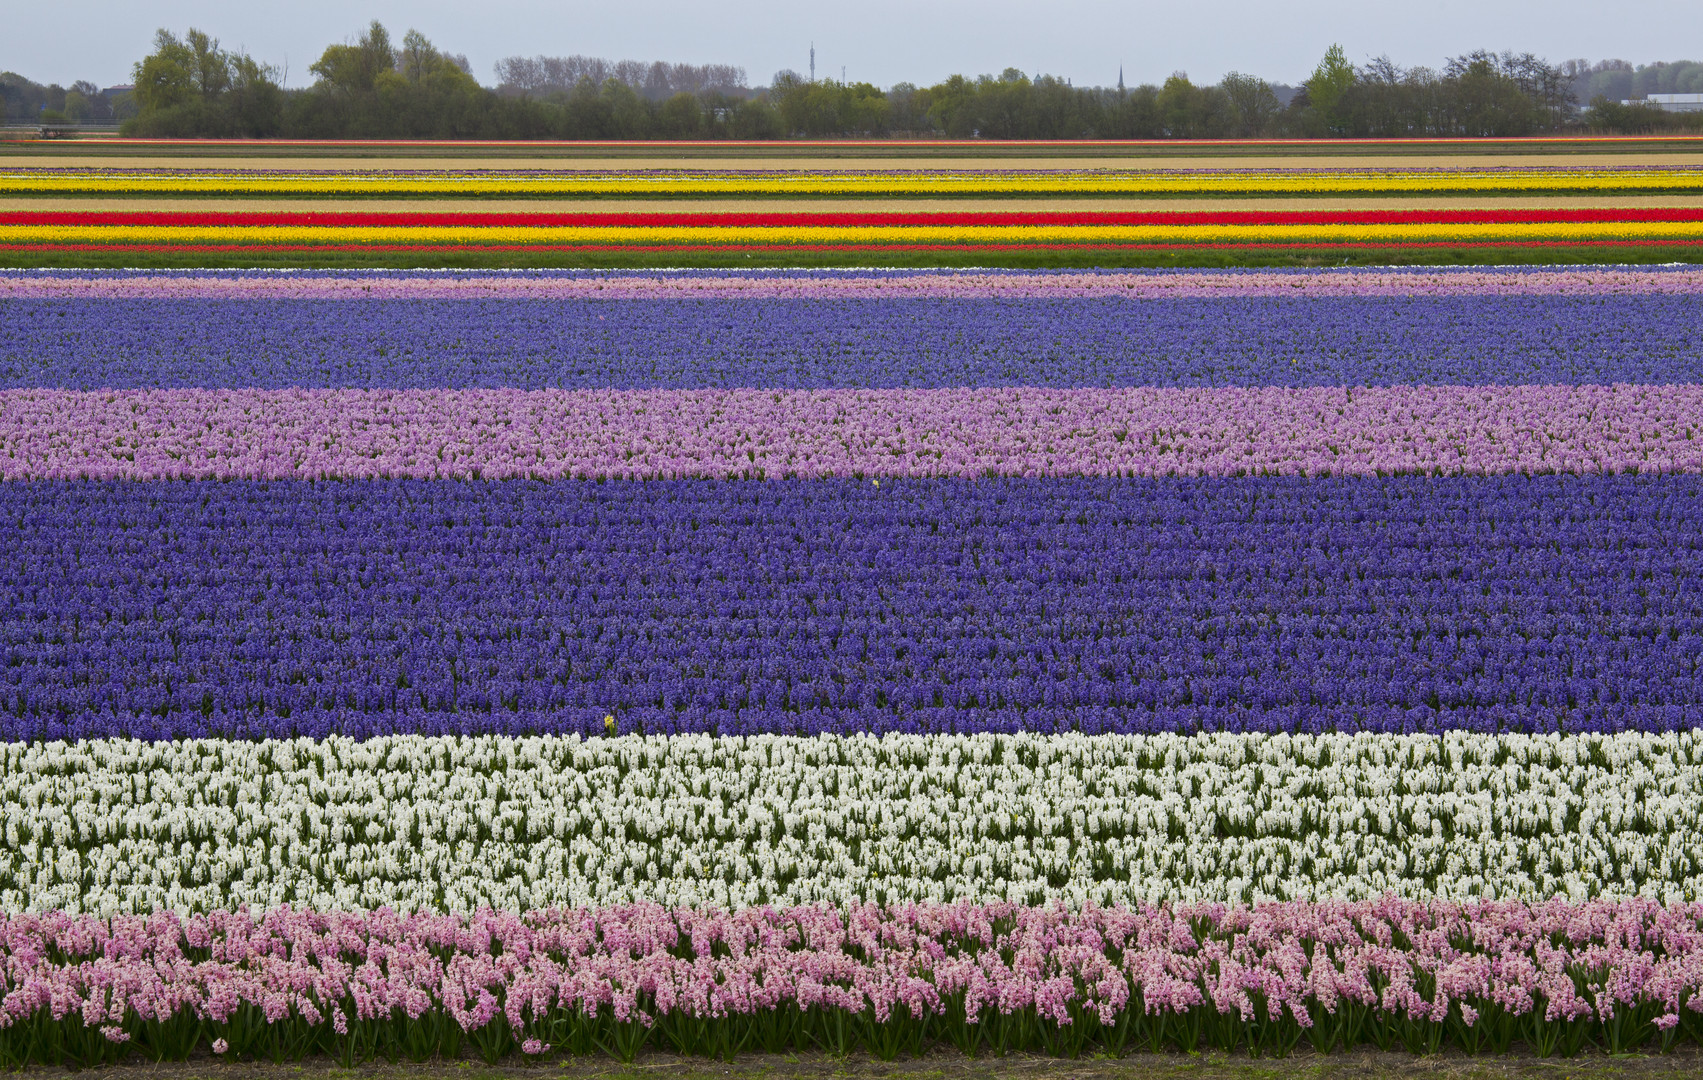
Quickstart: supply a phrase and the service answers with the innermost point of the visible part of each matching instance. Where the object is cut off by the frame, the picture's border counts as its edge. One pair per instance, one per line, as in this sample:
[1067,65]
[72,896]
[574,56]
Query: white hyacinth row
[456,823]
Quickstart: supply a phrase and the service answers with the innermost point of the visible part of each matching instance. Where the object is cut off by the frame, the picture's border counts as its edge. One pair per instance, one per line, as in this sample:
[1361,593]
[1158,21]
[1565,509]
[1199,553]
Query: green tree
[681,117]
[1329,81]
[421,63]
[1136,115]
[863,109]
[254,104]
[165,77]
[191,87]
[210,66]
[1604,114]
[952,107]
[907,107]
[1488,100]
[1181,107]
[1254,102]
[355,69]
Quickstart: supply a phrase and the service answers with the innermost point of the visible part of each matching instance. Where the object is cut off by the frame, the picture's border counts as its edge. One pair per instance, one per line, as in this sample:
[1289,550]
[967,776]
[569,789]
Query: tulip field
[818,180]
[840,653]
[802,233]
[1588,204]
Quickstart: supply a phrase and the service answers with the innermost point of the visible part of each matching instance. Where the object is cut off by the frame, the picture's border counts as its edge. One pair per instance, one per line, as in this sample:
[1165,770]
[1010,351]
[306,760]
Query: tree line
[23,99]
[378,87]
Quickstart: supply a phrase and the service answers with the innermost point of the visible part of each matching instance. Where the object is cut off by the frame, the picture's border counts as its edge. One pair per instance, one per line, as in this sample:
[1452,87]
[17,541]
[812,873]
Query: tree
[254,103]
[1488,99]
[1605,114]
[907,107]
[1181,106]
[1383,101]
[165,77]
[355,69]
[1329,81]
[420,63]
[191,86]
[952,108]
[1254,102]
[681,117]
[210,66]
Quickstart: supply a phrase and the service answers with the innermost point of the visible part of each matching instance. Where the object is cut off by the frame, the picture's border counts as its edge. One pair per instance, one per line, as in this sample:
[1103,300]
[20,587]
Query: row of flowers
[924,183]
[339,237]
[260,609]
[896,981]
[758,434]
[1640,335]
[859,219]
[560,285]
[417,822]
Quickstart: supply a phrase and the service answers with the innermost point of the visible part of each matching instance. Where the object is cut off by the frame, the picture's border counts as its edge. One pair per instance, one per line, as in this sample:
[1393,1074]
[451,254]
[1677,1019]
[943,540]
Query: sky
[878,41]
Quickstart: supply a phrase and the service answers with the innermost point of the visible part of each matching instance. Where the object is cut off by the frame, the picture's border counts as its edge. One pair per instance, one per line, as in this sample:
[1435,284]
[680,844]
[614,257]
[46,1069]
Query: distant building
[1669,102]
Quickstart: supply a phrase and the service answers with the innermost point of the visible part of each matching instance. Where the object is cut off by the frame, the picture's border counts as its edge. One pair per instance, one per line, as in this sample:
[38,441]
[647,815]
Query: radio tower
[812,61]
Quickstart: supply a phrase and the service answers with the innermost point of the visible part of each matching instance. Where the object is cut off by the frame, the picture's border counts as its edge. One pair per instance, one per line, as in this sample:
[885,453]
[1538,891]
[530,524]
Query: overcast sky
[879,41]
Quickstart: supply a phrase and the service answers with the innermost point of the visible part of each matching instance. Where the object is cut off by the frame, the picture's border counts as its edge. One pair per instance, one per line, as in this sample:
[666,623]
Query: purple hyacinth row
[1024,431]
[1000,977]
[393,285]
[278,610]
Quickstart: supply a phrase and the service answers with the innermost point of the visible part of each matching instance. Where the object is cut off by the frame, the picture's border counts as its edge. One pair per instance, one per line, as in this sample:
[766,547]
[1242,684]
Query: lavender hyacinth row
[83,285]
[995,978]
[261,610]
[1299,338]
[560,434]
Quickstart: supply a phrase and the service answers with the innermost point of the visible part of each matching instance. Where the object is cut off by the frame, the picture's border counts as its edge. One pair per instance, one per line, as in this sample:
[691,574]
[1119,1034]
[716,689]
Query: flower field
[494,662]
[212,231]
[277,609]
[1000,978]
[729,822]
[841,183]
[848,329]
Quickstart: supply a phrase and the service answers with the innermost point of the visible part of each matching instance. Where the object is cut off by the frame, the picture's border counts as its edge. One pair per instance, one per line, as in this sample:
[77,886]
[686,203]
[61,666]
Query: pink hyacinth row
[967,285]
[1143,431]
[1298,962]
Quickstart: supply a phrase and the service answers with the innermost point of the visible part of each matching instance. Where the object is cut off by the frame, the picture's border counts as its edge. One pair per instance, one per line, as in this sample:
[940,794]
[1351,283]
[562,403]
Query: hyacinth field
[517,663]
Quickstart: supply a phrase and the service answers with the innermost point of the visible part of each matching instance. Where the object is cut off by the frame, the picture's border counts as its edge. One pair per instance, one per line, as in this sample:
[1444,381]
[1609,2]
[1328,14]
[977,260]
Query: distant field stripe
[773,434]
[664,249]
[169,219]
[841,181]
[850,285]
[814,329]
